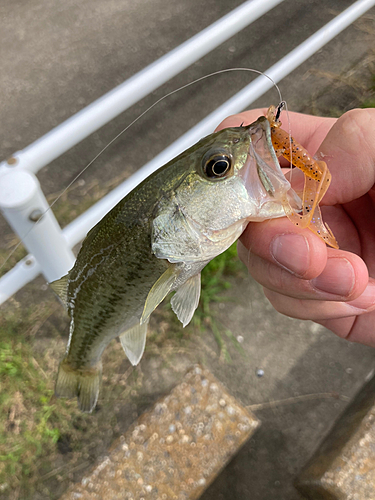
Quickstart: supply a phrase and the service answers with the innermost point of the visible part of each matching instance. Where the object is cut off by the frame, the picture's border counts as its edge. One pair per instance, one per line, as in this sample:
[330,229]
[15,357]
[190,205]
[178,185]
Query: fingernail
[337,278]
[291,251]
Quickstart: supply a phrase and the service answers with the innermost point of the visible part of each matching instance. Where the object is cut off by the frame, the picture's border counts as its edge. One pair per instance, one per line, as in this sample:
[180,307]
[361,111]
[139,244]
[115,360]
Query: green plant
[215,281]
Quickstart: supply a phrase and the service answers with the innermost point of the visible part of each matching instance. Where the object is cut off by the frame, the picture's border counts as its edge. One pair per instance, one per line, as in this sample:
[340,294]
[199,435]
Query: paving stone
[176,449]
[343,468]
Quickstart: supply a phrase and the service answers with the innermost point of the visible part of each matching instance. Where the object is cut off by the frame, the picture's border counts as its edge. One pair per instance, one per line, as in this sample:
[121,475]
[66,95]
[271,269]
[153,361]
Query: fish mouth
[264,181]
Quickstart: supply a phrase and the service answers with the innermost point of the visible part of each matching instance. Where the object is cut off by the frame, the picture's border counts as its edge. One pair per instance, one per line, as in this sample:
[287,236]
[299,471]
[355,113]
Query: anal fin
[133,342]
[185,301]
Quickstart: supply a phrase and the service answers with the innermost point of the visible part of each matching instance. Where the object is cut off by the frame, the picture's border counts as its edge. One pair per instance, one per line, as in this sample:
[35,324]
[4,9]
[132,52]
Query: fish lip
[266,186]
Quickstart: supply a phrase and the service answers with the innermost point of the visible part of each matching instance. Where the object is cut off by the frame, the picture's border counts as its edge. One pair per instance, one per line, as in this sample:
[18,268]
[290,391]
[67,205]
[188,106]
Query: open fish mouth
[265,183]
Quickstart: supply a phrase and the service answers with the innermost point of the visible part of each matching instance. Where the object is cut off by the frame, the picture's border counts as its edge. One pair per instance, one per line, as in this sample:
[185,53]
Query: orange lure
[317,180]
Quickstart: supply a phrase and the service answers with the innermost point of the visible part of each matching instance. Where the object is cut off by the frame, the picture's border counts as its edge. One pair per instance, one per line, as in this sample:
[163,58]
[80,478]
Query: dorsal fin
[60,287]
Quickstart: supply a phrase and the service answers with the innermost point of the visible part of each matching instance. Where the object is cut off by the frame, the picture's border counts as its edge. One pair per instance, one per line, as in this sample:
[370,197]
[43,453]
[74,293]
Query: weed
[27,427]
[31,420]
[215,280]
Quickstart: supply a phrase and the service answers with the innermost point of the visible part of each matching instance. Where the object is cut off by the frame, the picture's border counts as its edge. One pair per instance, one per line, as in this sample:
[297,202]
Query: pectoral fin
[158,292]
[185,301]
[133,342]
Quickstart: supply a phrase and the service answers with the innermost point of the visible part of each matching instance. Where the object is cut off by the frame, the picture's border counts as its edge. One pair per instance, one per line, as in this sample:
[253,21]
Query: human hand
[301,277]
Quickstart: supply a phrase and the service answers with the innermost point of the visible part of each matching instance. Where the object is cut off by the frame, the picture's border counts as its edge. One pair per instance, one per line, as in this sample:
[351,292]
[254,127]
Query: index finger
[308,130]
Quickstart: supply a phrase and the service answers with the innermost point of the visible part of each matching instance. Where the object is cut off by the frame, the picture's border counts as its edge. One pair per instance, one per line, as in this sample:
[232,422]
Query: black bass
[157,240]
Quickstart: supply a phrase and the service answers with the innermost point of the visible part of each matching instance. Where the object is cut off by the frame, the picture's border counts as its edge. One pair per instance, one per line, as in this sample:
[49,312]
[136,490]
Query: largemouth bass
[158,239]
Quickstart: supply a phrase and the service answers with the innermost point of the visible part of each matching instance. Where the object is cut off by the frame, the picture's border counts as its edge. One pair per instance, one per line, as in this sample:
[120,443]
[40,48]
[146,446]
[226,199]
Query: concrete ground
[57,58]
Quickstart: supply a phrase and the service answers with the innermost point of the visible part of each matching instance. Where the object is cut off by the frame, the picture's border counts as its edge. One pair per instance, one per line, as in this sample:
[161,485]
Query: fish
[158,239]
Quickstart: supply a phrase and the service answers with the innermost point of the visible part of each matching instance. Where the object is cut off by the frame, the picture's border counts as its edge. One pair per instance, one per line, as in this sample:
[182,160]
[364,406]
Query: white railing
[21,199]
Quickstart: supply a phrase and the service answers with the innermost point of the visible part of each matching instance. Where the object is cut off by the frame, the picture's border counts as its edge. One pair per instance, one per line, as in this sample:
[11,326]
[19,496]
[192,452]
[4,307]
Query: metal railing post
[22,203]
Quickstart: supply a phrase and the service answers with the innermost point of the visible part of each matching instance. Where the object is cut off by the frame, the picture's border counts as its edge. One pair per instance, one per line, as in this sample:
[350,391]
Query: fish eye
[216,165]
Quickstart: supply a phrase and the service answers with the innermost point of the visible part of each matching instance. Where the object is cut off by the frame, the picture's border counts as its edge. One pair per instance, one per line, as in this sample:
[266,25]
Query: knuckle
[276,300]
[355,120]
[277,277]
[288,306]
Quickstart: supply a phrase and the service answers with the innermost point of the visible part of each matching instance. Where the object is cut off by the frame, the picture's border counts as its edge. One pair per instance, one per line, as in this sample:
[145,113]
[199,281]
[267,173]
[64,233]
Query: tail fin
[84,384]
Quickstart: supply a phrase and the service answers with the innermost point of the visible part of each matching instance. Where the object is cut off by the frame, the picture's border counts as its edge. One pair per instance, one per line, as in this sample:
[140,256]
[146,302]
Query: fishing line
[215,73]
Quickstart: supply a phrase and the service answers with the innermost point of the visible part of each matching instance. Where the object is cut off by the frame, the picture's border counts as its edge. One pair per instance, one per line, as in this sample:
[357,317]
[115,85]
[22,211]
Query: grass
[214,282]
[24,392]
[36,428]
